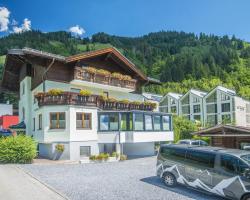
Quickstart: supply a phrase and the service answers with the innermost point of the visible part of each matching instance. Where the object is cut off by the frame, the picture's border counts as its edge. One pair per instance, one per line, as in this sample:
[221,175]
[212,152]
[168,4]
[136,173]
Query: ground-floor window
[212,120]
[85,151]
[138,121]
[226,118]
[166,123]
[83,120]
[197,117]
[57,120]
[40,121]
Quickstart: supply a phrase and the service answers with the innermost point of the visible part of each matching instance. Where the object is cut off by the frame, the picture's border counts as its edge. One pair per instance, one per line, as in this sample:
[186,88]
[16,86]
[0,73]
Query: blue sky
[130,17]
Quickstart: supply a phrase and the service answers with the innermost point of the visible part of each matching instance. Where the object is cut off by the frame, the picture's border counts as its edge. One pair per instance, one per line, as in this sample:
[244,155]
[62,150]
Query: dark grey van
[224,172]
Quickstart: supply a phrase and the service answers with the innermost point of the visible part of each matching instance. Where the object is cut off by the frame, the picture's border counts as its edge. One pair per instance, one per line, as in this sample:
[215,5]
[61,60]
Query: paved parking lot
[132,179]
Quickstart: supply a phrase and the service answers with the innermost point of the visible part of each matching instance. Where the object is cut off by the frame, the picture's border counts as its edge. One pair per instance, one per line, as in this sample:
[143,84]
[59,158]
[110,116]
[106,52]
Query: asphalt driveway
[132,179]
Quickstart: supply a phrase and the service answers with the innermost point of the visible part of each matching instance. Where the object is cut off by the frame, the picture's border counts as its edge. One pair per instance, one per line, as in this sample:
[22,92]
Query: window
[40,121]
[225,107]
[23,88]
[212,108]
[23,112]
[138,120]
[34,124]
[225,97]
[185,100]
[212,120]
[157,122]
[85,151]
[197,117]
[212,98]
[173,154]
[229,163]
[196,99]
[197,108]
[172,101]
[126,123]
[109,122]
[163,109]
[57,120]
[166,123]
[148,123]
[186,109]
[113,122]
[173,109]
[104,122]
[200,158]
[83,120]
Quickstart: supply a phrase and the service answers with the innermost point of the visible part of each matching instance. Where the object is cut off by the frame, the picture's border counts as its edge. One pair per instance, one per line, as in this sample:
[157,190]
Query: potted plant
[123,104]
[59,149]
[116,79]
[102,76]
[55,92]
[135,105]
[91,70]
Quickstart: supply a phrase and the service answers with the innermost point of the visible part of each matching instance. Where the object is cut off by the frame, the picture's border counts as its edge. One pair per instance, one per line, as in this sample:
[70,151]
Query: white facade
[82,142]
[170,103]
[221,105]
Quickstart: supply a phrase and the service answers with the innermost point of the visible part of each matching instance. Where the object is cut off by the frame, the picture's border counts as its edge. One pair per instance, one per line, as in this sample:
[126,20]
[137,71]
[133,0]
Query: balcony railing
[72,98]
[84,75]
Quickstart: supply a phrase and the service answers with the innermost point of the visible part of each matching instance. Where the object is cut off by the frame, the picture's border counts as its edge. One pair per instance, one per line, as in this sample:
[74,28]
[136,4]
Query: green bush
[115,154]
[60,148]
[123,157]
[19,149]
[92,157]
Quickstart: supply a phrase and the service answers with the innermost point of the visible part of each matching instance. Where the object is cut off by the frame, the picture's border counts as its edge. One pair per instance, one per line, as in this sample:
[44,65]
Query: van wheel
[169,180]
[246,197]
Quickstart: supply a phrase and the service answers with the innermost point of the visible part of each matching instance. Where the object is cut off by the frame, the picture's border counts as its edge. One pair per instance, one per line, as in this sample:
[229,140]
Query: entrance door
[85,151]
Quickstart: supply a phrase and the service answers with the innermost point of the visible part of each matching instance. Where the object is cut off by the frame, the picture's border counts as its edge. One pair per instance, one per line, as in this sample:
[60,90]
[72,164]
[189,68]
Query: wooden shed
[227,136]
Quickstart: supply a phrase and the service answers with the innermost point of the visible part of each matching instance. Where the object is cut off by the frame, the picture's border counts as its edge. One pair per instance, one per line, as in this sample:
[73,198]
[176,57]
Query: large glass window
[148,123]
[225,107]
[104,122]
[113,120]
[186,109]
[124,122]
[196,99]
[166,123]
[226,118]
[212,120]
[157,122]
[185,100]
[212,108]
[83,120]
[173,109]
[197,117]
[172,101]
[225,97]
[57,120]
[212,98]
[138,120]
[197,108]
[163,109]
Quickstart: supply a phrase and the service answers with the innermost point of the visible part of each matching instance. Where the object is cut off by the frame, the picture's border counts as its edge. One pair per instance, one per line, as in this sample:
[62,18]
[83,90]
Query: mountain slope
[180,60]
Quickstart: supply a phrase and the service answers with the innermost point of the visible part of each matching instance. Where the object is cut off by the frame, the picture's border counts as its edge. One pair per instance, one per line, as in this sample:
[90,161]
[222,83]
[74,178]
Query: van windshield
[246,158]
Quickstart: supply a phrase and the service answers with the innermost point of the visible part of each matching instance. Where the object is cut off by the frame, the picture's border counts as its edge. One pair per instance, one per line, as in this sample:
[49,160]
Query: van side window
[229,163]
[200,158]
[173,154]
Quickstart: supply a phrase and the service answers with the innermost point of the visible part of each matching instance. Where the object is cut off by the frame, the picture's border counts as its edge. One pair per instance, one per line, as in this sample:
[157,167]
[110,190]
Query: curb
[43,183]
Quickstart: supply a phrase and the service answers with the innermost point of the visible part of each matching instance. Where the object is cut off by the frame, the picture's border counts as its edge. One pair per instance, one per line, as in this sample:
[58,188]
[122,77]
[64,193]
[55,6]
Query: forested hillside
[180,60]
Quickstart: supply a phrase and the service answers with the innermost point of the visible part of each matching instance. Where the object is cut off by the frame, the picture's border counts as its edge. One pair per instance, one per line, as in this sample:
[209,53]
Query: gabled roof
[176,96]
[150,96]
[198,93]
[223,89]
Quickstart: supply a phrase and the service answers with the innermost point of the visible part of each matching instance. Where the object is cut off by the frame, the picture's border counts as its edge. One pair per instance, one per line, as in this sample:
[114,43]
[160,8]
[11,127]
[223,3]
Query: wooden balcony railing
[72,98]
[83,74]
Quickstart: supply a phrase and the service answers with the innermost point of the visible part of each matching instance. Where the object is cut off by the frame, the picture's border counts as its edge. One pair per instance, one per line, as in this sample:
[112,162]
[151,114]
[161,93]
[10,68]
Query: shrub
[117,75]
[85,93]
[103,97]
[125,101]
[102,156]
[126,77]
[60,148]
[55,92]
[123,157]
[91,70]
[103,72]
[19,149]
[92,157]
[115,154]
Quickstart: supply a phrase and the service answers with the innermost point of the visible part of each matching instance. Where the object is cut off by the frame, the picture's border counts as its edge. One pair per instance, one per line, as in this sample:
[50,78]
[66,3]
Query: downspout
[44,74]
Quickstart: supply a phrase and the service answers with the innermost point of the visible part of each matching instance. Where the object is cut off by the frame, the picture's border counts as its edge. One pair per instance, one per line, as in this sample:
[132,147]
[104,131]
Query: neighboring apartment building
[191,105]
[86,124]
[219,106]
[222,105]
[155,98]
[170,103]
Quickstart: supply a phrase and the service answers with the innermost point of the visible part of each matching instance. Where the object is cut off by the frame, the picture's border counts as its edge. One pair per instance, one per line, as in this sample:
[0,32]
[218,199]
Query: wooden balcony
[72,98]
[84,75]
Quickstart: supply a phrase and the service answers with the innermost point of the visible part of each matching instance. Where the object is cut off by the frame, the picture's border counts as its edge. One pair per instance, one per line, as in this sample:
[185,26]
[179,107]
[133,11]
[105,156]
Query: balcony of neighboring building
[134,126]
[85,76]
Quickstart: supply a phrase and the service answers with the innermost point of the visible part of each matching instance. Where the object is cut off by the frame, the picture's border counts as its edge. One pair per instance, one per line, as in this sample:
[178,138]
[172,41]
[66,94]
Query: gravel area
[131,179]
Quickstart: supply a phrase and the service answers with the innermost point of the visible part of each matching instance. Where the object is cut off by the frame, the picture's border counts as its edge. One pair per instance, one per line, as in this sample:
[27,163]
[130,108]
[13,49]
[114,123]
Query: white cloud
[14,22]
[77,30]
[4,19]
[26,26]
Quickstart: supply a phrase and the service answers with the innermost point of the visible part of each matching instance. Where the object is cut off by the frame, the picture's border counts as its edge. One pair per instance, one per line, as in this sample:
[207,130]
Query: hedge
[18,149]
